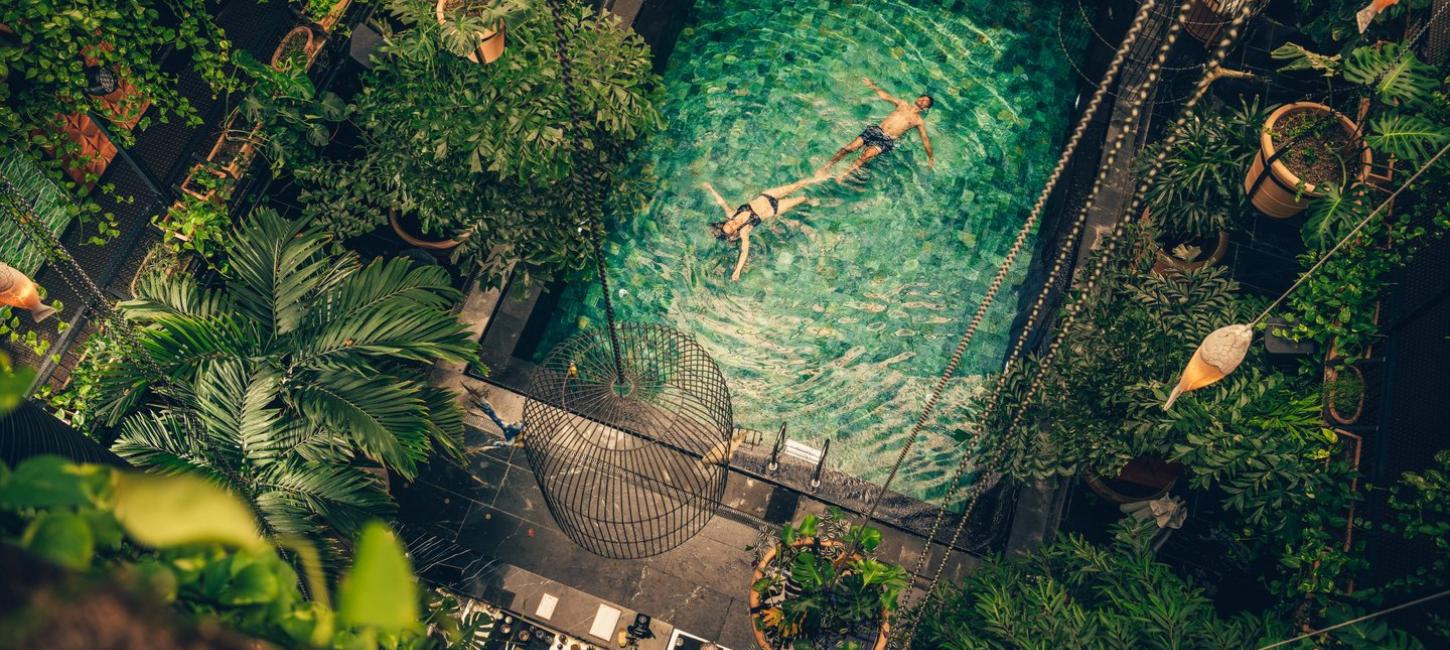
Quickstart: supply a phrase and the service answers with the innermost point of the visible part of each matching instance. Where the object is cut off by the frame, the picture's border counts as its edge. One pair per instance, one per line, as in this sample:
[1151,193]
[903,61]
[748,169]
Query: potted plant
[1143,479]
[1304,147]
[233,149]
[296,49]
[1195,202]
[1344,391]
[411,230]
[821,588]
[203,182]
[483,18]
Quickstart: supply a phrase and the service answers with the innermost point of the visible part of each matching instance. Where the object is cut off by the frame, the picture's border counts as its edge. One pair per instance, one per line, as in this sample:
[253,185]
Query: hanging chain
[586,164]
[1221,51]
[1099,93]
[22,214]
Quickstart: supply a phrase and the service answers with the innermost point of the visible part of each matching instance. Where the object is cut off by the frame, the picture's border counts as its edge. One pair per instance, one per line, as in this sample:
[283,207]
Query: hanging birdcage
[631,456]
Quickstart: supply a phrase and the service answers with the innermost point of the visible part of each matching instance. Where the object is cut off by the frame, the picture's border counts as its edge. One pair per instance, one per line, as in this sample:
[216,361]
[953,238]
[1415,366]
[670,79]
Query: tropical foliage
[183,541]
[1074,594]
[300,366]
[1133,337]
[482,150]
[49,52]
[1197,193]
[825,589]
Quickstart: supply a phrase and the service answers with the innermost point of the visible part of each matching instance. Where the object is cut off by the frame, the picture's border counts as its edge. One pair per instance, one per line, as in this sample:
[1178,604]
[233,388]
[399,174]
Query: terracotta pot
[309,47]
[403,234]
[1332,375]
[1164,261]
[765,560]
[1206,20]
[232,155]
[490,43]
[1279,194]
[1153,476]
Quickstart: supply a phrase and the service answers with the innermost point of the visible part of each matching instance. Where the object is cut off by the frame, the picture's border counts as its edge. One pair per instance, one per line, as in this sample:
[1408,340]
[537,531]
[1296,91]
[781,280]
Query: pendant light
[18,290]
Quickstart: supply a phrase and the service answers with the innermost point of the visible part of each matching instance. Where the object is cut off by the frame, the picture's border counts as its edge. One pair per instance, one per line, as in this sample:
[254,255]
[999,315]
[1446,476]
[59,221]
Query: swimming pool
[848,309]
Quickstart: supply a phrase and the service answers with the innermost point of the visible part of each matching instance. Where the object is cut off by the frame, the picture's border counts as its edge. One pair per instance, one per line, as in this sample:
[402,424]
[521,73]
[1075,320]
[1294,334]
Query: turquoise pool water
[848,309]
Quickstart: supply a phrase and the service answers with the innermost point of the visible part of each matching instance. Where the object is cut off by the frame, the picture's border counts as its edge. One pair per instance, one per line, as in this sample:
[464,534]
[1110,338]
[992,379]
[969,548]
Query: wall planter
[199,184]
[1142,479]
[1344,393]
[1283,191]
[95,150]
[298,46]
[765,567]
[408,229]
[233,151]
[490,43]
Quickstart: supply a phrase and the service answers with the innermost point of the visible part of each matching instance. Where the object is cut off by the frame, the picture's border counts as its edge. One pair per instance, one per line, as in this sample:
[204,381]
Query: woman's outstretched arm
[744,253]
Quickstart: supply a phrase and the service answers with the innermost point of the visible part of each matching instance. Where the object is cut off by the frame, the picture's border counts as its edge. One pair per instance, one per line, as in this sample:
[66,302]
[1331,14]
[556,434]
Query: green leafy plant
[196,224]
[1072,594]
[186,542]
[824,588]
[42,64]
[1344,392]
[481,150]
[280,380]
[291,117]
[1197,193]
[1420,503]
[1134,336]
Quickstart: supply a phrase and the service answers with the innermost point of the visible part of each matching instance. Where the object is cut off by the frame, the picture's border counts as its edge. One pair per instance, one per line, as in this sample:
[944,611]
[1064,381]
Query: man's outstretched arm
[881,93]
[926,143]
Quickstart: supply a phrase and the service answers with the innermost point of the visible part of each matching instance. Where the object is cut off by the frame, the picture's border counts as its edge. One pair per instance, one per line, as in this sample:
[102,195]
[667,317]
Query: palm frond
[276,266]
[180,295]
[164,443]
[341,495]
[383,416]
[445,423]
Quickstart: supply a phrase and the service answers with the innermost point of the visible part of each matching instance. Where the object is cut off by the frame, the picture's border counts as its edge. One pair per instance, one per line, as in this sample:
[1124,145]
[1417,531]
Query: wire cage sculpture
[630,451]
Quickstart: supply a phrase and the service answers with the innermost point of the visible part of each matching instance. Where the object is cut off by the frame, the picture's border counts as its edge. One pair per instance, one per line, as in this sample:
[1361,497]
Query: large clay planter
[490,43]
[765,560]
[1156,477]
[1279,194]
[403,234]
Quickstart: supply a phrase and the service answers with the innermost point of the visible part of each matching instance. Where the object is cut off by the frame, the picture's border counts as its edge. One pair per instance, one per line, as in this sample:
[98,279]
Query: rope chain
[978,488]
[589,166]
[1083,121]
[1000,277]
[73,275]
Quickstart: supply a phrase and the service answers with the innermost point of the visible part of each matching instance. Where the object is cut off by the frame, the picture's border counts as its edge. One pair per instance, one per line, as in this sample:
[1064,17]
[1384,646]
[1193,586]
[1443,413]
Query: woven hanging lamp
[630,463]
[628,429]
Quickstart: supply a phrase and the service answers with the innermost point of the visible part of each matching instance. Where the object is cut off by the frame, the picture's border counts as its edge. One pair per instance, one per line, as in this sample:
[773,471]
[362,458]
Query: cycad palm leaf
[277,266]
[385,416]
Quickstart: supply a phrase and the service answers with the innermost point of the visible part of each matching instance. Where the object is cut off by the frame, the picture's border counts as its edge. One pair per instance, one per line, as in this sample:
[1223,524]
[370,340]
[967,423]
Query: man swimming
[881,138]
[739,221]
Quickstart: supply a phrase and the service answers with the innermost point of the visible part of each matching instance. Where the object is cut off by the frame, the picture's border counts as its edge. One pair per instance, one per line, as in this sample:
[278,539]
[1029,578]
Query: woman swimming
[741,220]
